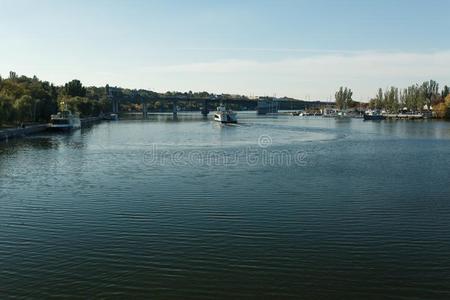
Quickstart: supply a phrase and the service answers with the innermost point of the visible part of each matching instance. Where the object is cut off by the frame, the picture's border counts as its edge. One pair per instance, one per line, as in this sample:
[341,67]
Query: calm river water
[274,207]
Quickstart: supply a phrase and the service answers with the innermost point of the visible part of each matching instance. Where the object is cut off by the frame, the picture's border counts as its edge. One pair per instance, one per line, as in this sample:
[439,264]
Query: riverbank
[11,133]
[7,134]
[90,120]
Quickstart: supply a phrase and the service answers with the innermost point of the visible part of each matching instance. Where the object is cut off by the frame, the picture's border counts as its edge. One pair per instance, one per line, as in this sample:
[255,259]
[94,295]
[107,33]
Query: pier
[404,116]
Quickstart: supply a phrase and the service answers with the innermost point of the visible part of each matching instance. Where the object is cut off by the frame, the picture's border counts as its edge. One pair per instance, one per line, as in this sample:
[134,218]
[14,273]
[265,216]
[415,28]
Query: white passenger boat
[224,115]
[65,120]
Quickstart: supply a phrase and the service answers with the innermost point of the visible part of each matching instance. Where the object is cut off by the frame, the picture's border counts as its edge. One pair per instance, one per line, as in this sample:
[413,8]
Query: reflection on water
[92,214]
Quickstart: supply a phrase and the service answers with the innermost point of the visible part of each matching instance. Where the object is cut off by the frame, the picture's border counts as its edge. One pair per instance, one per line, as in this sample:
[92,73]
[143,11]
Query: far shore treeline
[25,99]
[415,98]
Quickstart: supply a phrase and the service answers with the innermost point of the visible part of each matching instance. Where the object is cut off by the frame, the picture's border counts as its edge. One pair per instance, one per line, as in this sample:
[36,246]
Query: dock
[405,116]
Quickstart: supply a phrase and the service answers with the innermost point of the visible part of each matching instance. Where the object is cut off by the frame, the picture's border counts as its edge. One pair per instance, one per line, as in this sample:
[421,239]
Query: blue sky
[303,49]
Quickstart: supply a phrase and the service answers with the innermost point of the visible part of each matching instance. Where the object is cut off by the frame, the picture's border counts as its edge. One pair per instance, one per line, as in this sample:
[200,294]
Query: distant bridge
[207,103]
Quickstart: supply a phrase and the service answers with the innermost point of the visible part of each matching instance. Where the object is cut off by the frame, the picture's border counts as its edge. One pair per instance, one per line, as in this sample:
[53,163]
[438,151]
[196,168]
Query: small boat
[65,120]
[111,117]
[373,115]
[299,113]
[342,115]
[224,115]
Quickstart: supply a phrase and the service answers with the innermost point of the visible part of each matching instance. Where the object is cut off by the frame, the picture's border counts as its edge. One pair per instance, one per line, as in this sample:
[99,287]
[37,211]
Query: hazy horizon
[299,49]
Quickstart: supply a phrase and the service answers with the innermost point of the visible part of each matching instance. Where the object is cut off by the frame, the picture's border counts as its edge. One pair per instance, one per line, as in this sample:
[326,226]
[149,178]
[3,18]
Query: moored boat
[111,117]
[342,115]
[299,113]
[65,120]
[373,115]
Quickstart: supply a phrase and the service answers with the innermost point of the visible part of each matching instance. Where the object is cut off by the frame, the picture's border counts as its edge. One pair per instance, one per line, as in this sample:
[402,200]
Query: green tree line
[414,98]
[25,99]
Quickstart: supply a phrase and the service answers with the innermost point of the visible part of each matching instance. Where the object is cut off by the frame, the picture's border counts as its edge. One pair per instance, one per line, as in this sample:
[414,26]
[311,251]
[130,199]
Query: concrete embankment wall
[7,134]
[90,120]
[20,132]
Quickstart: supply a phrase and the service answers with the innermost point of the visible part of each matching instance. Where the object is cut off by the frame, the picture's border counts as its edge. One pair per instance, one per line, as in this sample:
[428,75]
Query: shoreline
[14,133]
[6,134]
